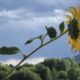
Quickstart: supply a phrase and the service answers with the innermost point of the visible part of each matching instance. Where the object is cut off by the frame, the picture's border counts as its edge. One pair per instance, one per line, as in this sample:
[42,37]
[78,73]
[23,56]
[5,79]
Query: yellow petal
[72,10]
[74,43]
[69,17]
[78,13]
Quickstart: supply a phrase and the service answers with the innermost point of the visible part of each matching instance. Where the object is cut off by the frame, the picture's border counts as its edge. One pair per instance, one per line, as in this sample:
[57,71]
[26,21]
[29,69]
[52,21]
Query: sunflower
[74,28]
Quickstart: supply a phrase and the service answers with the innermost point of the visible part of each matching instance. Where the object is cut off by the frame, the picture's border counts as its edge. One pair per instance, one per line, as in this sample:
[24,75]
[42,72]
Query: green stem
[8,75]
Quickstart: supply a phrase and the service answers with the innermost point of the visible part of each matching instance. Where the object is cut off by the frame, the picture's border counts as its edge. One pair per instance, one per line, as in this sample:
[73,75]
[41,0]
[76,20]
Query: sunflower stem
[35,50]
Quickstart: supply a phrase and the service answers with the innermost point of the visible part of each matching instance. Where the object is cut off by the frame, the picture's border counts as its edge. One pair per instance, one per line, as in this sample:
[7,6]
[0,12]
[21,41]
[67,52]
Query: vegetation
[50,69]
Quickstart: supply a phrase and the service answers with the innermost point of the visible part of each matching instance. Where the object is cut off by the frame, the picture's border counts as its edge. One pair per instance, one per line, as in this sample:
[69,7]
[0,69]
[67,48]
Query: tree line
[49,69]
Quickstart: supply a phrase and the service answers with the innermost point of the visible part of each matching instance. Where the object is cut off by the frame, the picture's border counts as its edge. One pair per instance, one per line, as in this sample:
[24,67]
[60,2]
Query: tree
[25,75]
[50,63]
[62,75]
[74,72]
[44,72]
[54,74]
[4,69]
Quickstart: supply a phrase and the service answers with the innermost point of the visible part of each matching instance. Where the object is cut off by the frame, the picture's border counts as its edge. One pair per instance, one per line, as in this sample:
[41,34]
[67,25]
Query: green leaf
[29,41]
[8,50]
[62,27]
[51,32]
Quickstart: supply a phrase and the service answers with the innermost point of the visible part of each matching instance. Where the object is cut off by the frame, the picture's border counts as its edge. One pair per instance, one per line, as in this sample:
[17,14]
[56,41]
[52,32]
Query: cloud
[38,5]
[35,60]
[30,61]
[24,25]
[20,19]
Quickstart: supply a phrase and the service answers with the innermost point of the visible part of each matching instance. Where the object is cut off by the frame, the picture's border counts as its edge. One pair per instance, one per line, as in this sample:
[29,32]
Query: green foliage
[50,69]
[62,27]
[54,74]
[62,75]
[26,65]
[73,63]
[8,50]
[25,75]
[51,63]
[51,32]
[58,64]
[74,73]
[62,64]
[4,69]
[44,72]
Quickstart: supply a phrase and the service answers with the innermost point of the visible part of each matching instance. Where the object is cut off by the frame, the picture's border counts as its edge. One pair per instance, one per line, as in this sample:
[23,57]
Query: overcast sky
[23,19]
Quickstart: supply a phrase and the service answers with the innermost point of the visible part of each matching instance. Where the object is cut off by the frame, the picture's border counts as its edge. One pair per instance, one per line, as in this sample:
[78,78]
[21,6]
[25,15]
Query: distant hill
[77,57]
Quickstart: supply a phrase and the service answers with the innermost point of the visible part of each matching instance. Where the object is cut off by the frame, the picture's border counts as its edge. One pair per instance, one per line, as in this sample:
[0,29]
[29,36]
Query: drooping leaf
[62,27]
[29,41]
[51,32]
[8,50]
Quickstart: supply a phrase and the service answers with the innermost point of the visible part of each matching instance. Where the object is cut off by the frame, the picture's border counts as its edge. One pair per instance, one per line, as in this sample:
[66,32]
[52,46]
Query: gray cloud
[21,19]
[37,5]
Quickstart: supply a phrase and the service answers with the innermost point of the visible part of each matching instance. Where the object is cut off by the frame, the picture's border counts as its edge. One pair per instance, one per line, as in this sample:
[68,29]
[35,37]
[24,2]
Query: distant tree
[62,64]
[25,75]
[62,75]
[26,65]
[11,66]
[4,69]
[74,72]
[58,64]
[54,74]
[50,63]
[44,72]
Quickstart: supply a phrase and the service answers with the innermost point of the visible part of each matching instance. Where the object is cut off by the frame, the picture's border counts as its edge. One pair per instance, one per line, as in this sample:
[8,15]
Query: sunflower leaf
[62,27]
[51,32]
[8,50]
[29,41]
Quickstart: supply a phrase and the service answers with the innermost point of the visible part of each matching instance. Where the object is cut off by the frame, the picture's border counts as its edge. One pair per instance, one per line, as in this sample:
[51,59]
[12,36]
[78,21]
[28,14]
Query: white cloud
[12,14]
[30,61]
[35,60]
[21,20]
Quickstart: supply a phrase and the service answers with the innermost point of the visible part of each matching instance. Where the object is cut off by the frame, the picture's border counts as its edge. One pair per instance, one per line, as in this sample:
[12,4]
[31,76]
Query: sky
[24,19]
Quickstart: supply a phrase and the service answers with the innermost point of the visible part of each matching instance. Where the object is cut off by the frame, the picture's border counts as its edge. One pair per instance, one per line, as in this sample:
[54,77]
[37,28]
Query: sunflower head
[74,28]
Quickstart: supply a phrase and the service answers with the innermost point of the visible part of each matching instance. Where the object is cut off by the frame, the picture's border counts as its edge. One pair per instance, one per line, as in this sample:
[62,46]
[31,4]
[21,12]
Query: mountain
[77,57]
